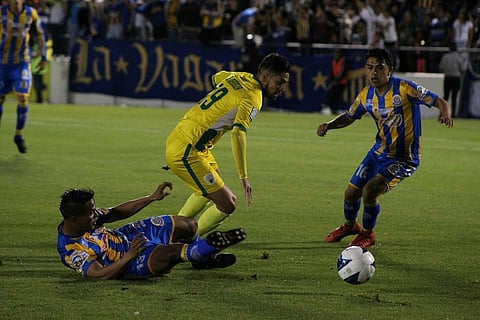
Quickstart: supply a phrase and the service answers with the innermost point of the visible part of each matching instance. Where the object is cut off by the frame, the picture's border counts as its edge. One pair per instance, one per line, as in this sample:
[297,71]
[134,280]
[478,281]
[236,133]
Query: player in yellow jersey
[16,20]
[234,102]
[394,105]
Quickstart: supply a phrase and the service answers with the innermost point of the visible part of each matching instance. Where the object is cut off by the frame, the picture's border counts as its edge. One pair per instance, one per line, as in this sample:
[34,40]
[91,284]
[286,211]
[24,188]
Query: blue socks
[351,210]
[21,117]
[370,216]
[199,250]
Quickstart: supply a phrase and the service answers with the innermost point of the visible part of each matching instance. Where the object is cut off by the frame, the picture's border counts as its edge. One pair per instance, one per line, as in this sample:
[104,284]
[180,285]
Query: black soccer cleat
[20,142]
[216,261]
[224,239]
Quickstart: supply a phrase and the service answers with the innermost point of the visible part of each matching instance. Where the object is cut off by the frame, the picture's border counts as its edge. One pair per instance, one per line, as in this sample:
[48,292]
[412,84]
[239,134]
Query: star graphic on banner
[320,81]
[121,65]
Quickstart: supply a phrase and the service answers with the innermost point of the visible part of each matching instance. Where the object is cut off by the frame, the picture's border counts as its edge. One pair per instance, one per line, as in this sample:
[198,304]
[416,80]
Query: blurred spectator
[72,24]
[155,13]
[230,12]
[250,57]
[113,10]
[440,28]
[190,21]
[172,12]
[407,29]
[264,23]
[453,66]
[211,14]
[37,74]
[347,24]
[470,94]
[439,36]
[127,17]
[57,28]
[319,25]
[377,41]
[338,80]
[301,20]
[359,33]
[367,13]
[462,31]
[282,33]
[387,25]
[242,24]
[143,27]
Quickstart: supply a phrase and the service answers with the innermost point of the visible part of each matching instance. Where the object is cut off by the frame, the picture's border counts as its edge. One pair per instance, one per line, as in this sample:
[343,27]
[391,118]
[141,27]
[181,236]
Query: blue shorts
[393,170]
[158,231]
[18,76]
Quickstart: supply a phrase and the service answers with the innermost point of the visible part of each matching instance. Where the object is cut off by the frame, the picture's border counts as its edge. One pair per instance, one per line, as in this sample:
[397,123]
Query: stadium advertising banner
[182,72]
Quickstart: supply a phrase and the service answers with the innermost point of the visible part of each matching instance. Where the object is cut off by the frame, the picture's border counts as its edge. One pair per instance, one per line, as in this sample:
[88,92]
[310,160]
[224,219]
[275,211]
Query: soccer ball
[355,265]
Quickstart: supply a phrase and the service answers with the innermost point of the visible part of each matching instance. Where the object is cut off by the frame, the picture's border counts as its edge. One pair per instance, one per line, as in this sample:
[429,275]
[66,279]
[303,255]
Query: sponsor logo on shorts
[394,168]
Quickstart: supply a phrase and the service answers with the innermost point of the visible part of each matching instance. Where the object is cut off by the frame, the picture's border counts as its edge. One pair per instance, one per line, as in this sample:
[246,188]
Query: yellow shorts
[197,168]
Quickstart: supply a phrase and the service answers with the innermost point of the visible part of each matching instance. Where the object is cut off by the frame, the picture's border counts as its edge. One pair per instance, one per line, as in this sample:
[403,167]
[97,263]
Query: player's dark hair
[382,55]
[73,201]
[274,63]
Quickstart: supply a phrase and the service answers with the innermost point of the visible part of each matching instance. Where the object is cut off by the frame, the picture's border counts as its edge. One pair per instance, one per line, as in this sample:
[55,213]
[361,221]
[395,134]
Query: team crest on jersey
[157,221]
[253,114]
[397,100]
[77,259]
[209,179]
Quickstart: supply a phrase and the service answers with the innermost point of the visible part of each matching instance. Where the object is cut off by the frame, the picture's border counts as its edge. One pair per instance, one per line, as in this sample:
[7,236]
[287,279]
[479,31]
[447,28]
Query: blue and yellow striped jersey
[103,245]
[15,33]
[397,115]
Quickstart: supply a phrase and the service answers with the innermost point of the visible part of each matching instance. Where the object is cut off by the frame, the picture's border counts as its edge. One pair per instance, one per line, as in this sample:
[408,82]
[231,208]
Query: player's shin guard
[22,112]
[350,210]
[210,219]
[1,112]
[193,206]
[370,213]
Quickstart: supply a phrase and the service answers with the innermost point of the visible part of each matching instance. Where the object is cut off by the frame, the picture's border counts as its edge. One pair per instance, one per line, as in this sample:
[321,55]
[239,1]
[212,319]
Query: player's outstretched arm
[338,122]
[129,208]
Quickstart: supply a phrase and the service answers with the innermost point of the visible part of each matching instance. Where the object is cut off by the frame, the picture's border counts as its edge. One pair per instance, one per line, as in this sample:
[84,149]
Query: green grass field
[427,254]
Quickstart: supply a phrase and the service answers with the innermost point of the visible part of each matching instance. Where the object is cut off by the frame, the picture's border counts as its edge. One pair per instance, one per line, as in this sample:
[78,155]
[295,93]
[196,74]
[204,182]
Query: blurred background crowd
[393,24]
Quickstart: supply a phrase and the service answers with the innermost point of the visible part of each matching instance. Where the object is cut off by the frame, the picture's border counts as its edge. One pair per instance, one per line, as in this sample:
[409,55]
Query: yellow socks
[193,206]
[210,219]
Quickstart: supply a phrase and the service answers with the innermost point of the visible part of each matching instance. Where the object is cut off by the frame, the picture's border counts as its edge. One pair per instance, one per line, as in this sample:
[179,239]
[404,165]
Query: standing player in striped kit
[15,69]
[394,104]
